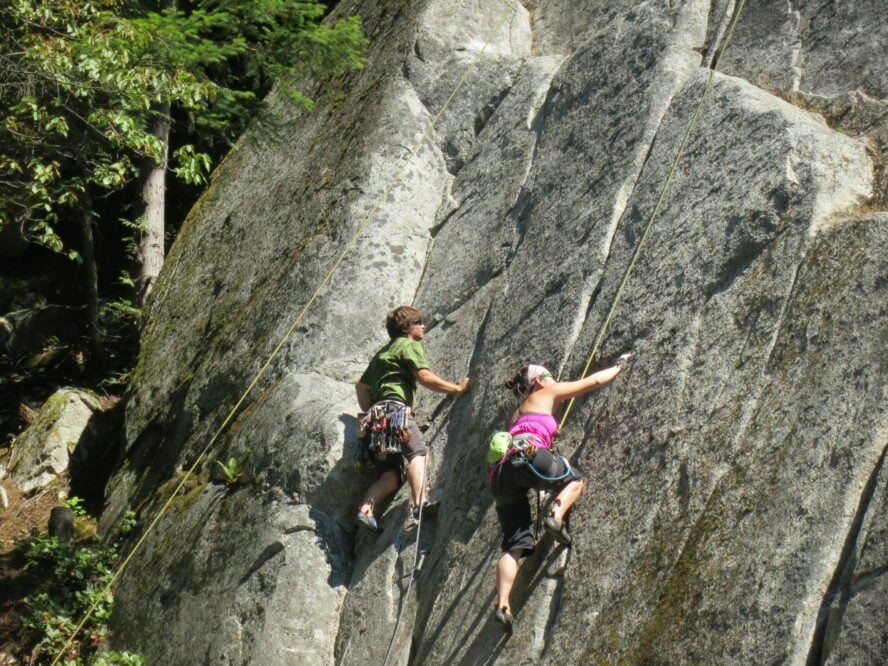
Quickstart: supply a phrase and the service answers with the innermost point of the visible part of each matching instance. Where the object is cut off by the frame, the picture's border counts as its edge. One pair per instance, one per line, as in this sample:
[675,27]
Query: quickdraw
[384,427]
[523,449]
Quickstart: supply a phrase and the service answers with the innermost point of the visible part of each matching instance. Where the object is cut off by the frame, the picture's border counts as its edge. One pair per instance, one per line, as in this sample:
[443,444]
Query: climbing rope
[418,555]
[508,9]
[607,320]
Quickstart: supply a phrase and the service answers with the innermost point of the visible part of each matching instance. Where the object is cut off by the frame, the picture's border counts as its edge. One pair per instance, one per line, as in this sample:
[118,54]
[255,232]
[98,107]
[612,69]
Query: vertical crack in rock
[841,588]
[487,111]
[537,115]
[752,405]
[480,336]
[713,48]
[592,282]
[556,569]
[797,57]
[684,366]
[784,306]
[404,592]
[587,298]
[536,120]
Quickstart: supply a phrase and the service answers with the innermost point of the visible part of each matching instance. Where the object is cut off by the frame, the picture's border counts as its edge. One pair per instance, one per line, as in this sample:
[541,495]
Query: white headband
[533,372]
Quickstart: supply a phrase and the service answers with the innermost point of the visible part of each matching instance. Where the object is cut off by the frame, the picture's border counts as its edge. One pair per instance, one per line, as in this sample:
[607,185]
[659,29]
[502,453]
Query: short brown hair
[400,320]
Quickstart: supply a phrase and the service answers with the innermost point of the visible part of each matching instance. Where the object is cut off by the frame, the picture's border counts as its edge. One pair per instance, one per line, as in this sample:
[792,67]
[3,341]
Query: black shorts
[517,525]
[412,448]
[510,485]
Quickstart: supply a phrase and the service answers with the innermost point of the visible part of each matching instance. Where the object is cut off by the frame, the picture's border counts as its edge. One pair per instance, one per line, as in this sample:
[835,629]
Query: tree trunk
[151,235]
[91,278]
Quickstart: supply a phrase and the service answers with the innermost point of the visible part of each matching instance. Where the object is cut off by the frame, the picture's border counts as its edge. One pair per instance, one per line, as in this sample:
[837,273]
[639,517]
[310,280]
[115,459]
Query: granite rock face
[735,509]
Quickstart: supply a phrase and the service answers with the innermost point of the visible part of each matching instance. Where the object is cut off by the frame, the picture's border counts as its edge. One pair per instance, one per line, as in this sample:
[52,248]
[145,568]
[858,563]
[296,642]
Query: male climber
[389,382]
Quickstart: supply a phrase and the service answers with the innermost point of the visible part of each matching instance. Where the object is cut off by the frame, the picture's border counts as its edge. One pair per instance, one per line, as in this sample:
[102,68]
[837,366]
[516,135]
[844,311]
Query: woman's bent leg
[566,498]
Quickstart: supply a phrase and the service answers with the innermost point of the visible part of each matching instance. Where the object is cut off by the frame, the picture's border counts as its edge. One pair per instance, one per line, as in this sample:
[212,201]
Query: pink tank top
[543,426]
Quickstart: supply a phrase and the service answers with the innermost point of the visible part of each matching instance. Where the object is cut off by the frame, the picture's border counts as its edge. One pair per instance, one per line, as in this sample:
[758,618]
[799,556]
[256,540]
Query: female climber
[530,464]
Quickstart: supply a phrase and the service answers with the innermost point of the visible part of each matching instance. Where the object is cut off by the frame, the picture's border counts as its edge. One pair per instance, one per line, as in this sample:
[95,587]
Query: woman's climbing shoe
[429,509]
[369,522]
[557,529]
[504,619]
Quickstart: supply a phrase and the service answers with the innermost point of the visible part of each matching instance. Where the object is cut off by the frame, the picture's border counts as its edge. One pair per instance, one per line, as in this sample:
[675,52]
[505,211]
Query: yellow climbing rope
[607,320]
[509,8]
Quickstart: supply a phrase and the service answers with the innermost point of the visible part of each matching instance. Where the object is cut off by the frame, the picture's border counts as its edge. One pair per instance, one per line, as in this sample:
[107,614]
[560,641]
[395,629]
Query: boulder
[43,451]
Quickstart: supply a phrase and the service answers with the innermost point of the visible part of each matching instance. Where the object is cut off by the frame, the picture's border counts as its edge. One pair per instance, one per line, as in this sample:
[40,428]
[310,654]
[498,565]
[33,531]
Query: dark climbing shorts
[510,485]
[517,525]
[410,449]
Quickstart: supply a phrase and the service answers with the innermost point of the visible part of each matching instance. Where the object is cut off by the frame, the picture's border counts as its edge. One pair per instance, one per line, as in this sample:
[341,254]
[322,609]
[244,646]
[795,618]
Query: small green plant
[234,469]
[121,308]
[74,577]
[116,380]
[76,505]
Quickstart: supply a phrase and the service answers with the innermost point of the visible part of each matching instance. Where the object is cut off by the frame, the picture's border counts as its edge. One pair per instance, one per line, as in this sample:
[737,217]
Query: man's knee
[416,459]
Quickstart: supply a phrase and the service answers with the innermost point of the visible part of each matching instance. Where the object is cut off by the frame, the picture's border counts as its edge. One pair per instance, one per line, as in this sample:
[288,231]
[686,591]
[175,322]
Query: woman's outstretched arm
[546,398]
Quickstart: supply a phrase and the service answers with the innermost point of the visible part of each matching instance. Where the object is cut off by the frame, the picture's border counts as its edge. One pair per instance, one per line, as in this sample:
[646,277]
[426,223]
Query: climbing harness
[524,463]
[523,449]
[523,452]
[382,430]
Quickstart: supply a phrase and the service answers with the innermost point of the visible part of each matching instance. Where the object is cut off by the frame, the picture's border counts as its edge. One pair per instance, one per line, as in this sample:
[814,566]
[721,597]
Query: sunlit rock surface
[735,511]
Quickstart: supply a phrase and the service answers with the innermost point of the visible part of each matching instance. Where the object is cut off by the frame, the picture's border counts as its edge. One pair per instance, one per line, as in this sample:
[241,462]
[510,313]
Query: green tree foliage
[81,81]
[74,102]
[98,98]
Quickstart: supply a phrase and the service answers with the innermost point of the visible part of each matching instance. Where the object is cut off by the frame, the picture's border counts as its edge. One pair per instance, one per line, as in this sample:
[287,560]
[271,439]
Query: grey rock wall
[735,508]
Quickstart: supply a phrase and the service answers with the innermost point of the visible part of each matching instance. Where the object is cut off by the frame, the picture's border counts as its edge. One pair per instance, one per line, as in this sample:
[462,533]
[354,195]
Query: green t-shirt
[391,374]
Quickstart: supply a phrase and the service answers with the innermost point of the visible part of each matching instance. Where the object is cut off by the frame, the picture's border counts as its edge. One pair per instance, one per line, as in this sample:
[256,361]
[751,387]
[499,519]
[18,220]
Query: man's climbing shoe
[369,522]
[557,529]
[504,619]
[429,510]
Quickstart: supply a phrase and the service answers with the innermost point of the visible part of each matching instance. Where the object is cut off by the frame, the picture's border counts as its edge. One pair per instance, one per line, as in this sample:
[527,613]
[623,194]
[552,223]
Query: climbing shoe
[557,529]
[369,522]
[429,509]
[503,618]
